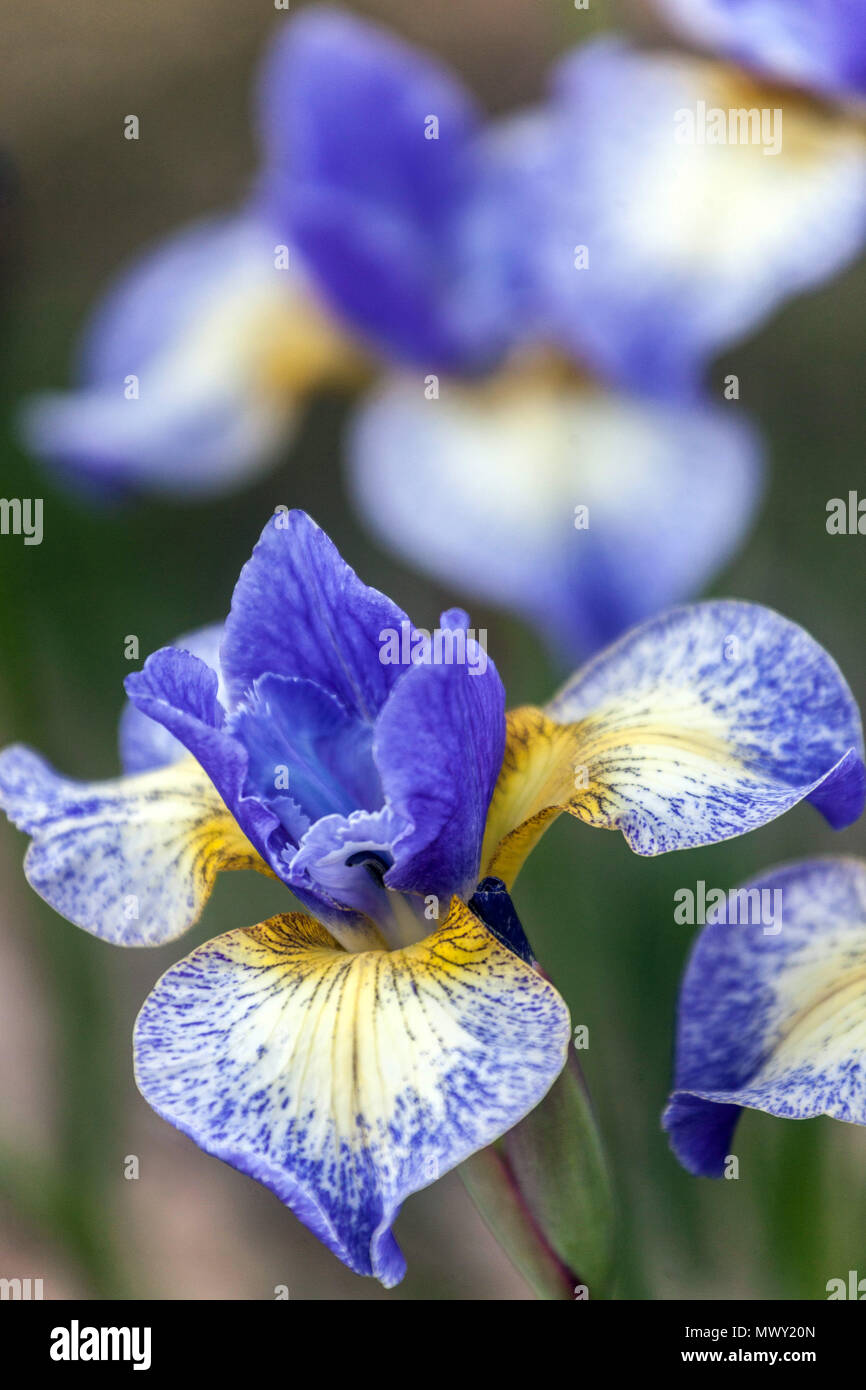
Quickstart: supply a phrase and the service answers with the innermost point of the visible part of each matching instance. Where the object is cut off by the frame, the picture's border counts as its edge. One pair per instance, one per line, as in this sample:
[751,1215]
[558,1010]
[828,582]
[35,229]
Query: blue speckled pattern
[132,861]
[346,1081]
[707,722]
[775,1021]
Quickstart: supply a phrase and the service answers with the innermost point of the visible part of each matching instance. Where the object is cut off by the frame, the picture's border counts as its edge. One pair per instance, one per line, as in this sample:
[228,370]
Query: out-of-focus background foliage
[79,199]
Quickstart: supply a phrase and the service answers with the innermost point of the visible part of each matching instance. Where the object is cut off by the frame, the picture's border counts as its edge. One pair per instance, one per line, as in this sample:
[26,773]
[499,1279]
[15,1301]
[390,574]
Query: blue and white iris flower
[392,230]
[771,1009]
[704,200]
[347,1055]
[653,239]
[584,508]
[193,368]
[521,287]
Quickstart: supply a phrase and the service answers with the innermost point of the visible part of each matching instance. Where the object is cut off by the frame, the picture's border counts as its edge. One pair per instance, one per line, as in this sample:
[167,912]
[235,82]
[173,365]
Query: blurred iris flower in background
[350,1057]
[685,245]
[539,298]
[391,231]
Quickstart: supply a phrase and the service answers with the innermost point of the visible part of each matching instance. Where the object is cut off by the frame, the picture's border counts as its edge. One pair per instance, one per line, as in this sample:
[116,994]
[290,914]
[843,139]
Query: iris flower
[194,368]
[347,1055]
[688,246]
[392,232]
[773,1019]
[697,227]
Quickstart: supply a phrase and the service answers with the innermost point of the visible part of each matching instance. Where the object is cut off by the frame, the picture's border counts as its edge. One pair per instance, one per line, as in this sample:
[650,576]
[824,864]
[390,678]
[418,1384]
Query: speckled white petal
[699,725]
[772,1011]
[133,861]
[345,1081]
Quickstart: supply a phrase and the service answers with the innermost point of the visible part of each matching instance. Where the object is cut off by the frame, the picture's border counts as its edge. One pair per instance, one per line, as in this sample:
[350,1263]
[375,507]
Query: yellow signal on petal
[301,348]
[535,785]
[345,1080]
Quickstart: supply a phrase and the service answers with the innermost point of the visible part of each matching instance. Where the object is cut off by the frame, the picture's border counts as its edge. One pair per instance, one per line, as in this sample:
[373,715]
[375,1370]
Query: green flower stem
[544,1192]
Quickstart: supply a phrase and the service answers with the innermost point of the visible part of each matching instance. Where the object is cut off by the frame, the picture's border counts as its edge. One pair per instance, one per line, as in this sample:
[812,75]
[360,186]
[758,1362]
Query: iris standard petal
[371,166]
[144,744]
[773,1018]
[299,610]
[701,724]
[346,1081]
[688,245]
[191,368]
[585,510]
[438,747]
[300,739]
[132,861]
[819,44]
[179,691]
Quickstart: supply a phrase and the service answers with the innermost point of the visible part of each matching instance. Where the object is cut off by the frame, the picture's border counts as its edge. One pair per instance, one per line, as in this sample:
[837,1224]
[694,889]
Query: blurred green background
[79,200]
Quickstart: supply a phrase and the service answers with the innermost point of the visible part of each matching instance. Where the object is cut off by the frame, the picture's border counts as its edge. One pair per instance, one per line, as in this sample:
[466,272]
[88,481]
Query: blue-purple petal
[384,213]
[180,692]
[438,746]
[144,744]
[299,610]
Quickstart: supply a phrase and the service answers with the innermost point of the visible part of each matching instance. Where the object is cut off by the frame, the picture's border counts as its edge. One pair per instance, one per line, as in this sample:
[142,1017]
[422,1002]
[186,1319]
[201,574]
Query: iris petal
[438,746]
[144,744]
[346,1081]
[774,1019]
[483,487]
[701,724]
[179,691]
[299,737]
[378,199]
[690,244]
[187,385]
[299,610]
[132,861]
[812,43]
